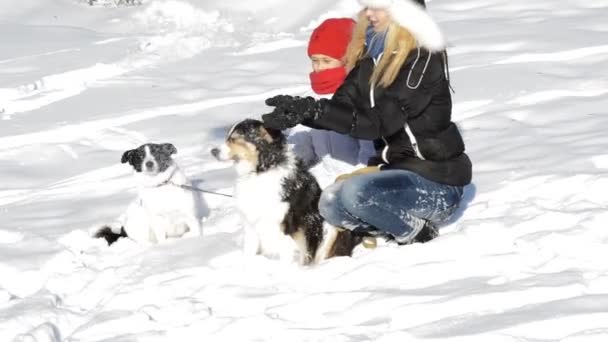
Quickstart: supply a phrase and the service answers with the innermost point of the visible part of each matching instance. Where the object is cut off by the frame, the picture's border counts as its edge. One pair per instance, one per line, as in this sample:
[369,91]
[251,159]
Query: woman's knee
[341,201]
[356,194]
[328,203]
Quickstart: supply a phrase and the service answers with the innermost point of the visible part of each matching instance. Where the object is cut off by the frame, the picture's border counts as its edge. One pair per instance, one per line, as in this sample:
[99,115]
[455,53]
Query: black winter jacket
[410,120]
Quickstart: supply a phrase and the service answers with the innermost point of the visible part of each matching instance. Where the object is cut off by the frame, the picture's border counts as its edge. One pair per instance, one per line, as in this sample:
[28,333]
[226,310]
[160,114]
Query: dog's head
[150,159]
[253,147]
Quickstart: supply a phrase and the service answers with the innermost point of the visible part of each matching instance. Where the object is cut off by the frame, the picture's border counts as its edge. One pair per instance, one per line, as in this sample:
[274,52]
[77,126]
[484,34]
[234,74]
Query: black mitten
[290,111]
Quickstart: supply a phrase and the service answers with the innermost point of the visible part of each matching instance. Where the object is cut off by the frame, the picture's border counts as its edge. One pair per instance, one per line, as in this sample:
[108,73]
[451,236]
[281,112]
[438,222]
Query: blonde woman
[397,92]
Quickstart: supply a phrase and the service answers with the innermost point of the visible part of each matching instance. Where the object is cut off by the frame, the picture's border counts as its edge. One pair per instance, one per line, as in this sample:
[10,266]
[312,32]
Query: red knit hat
[331,38]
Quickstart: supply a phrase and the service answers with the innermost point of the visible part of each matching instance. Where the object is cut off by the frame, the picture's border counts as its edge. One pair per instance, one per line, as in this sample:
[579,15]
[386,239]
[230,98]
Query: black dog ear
[126,157]
[169,148]
[275,134]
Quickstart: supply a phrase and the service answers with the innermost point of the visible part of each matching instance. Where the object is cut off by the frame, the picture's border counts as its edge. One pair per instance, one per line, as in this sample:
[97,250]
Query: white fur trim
[414,18]
[376,3]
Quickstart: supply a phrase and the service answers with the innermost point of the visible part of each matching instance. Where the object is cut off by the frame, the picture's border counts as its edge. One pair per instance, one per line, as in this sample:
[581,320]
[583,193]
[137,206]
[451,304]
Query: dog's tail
[345,242]
[337,242]
[107,233]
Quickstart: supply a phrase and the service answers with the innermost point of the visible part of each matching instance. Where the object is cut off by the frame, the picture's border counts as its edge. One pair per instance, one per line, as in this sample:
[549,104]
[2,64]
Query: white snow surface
[525,260]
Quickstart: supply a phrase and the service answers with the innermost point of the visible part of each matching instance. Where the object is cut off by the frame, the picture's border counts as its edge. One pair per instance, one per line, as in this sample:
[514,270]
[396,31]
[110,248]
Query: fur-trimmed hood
[412,15]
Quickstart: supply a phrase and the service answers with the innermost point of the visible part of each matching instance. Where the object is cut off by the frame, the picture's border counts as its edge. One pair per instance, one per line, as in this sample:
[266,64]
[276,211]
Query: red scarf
[327,81]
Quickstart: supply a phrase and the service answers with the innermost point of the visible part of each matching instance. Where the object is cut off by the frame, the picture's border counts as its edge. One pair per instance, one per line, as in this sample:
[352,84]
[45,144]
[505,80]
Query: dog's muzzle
[215,152]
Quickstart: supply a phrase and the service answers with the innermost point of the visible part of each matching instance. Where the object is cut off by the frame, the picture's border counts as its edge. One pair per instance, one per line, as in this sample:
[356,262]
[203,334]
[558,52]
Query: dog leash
[191,188]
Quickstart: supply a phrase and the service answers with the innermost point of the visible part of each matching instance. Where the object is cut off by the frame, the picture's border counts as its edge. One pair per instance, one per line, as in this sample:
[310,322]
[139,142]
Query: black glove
[290,111]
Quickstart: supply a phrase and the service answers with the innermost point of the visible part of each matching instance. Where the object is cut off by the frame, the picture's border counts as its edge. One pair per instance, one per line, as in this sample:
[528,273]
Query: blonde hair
[399,41]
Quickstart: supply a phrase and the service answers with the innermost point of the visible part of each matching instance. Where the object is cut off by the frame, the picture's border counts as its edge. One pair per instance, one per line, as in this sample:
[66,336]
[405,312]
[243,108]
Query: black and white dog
[166,206]
[278,198]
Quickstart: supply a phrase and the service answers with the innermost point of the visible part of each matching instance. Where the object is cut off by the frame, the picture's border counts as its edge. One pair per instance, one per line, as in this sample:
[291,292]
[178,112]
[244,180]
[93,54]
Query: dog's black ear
[126,157]
[275,134]
[169,148]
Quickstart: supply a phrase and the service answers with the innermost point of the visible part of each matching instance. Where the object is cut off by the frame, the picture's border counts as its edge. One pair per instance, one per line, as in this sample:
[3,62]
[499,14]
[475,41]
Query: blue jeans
[395,202]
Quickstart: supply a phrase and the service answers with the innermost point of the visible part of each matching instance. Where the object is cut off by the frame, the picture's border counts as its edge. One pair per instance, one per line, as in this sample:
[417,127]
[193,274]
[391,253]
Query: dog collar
[168,180]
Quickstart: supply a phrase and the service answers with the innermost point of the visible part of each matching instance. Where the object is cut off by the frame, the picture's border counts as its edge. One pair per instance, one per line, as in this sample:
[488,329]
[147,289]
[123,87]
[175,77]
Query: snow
[524,260]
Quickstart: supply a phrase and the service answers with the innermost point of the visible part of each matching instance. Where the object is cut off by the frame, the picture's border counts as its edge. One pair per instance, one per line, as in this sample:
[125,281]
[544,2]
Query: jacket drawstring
[447,70]
[426,65]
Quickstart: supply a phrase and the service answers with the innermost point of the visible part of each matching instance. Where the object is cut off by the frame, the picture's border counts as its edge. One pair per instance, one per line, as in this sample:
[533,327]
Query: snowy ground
[79,84]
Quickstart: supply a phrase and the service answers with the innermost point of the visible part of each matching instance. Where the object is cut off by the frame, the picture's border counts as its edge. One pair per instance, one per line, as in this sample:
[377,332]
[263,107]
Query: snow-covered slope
[524,261]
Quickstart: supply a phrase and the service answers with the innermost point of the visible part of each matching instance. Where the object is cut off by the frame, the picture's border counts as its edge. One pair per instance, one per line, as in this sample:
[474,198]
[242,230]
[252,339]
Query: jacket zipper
[372,102]
[385,151]
[407,128]
[413,141]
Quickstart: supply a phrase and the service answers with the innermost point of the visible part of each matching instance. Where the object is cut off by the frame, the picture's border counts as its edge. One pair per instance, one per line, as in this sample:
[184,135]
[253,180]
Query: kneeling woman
[397,93]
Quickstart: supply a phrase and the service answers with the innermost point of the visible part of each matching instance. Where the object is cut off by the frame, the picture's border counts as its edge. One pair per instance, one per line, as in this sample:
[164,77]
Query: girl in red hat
[329,153]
